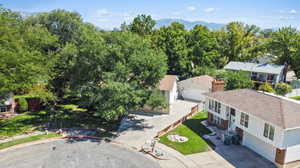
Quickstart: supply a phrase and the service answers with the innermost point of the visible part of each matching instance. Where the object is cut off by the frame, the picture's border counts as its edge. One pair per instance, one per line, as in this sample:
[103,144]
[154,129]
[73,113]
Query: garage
[193,88]
[266,150]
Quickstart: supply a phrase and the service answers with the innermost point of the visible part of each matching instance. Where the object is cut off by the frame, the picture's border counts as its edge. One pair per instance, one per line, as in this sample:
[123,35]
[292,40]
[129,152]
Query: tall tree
[284,44]
[121,69]
[203,53]
[239,42]
[142,25]
[173,42]
[25,58]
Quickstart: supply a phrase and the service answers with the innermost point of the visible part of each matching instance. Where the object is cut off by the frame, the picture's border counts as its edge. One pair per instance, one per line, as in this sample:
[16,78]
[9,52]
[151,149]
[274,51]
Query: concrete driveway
[141,127]
[75,154]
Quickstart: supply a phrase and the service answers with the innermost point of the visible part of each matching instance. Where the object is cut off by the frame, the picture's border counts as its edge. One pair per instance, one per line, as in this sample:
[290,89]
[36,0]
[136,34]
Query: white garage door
[259,146]
[193,94]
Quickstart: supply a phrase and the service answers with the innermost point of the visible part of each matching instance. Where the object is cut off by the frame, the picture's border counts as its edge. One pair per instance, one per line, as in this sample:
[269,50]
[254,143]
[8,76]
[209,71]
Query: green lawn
[193,130]
[18,124]
[27,139]
[64,116]
[296,97]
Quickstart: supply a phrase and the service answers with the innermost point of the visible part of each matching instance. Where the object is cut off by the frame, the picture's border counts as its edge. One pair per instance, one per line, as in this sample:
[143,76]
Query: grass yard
[193,130]
[296,97]
[27,139]
[64,116]
[18,124]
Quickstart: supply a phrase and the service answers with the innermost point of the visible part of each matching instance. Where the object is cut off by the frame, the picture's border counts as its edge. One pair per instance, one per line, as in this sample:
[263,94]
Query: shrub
[266,87]
[23,105]
[283,88]
[237,80]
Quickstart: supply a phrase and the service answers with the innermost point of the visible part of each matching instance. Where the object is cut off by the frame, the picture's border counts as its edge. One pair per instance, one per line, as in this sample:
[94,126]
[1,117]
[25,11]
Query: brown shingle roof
[277,110]
[167,82]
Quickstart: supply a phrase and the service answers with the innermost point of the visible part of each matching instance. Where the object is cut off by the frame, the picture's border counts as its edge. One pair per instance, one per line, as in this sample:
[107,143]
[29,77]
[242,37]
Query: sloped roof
[279,111]
[253,67]
[200,82]
[167,82]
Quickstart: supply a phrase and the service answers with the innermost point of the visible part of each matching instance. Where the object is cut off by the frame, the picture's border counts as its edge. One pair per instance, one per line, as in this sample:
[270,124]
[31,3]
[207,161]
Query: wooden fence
[178,122]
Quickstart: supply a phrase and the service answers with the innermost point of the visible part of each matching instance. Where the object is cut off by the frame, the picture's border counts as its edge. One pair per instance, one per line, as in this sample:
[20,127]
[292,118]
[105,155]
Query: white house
[267,124]
[168,87]
[193,88]
[260,73]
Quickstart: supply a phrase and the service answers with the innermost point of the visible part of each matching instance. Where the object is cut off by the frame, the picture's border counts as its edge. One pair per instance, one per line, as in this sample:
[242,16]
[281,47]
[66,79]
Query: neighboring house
[260,73]
[193,88]
[7,106]
[168,87]
[267,124]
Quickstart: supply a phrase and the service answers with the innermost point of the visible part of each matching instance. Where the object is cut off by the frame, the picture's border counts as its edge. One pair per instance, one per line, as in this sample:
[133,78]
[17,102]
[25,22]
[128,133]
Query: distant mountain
[188,24]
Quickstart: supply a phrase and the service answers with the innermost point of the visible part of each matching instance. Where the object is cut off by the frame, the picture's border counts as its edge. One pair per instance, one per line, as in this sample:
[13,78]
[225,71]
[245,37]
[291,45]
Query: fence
[178,122]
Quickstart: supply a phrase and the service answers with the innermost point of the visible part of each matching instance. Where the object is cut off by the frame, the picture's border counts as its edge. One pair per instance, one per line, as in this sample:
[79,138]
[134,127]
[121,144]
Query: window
[227,111]
[232,111]
[269,131]
[217,107]
[3,109]
[244,120]
[214,106]
[210,105]
[270,77]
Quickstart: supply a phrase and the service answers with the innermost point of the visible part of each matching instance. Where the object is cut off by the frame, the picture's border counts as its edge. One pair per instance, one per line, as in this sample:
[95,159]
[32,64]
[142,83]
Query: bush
[266,87]
[283,88]
[237,80]
[23,105]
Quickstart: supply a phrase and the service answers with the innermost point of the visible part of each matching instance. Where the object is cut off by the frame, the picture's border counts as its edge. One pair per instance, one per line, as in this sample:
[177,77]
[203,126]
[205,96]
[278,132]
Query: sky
[109,14]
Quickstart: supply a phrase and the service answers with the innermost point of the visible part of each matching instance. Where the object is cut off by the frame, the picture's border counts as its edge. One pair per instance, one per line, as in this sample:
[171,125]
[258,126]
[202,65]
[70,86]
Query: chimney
[217,85]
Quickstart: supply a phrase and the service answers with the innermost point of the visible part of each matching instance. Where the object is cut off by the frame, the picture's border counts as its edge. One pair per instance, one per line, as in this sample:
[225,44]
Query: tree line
[113,72]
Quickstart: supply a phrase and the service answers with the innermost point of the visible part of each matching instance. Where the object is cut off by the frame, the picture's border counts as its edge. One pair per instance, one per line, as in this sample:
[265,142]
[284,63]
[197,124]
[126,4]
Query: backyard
[193,130]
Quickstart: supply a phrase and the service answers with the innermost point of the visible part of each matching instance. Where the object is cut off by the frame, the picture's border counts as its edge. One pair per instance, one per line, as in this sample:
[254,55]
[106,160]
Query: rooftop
[280,111]
[202,82]
[253,67]
[167,82]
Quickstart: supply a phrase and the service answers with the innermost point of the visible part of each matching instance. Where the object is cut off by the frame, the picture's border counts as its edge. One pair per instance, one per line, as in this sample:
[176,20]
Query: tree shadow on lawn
[196,126]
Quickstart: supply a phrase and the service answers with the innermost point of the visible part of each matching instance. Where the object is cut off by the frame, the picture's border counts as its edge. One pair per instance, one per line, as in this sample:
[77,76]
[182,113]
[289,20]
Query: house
[7,107]
[168,87]
[260,73]
[266,123]
[193,88]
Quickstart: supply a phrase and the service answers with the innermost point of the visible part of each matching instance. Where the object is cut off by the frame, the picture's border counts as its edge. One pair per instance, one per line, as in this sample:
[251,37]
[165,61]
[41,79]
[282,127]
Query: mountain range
[188,24]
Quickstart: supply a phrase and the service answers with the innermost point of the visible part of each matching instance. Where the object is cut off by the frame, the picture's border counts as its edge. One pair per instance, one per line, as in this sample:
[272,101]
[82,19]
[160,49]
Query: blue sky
[108,14]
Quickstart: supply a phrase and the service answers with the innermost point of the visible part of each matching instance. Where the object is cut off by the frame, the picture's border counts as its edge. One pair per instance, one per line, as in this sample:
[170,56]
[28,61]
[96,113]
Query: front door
[232,120]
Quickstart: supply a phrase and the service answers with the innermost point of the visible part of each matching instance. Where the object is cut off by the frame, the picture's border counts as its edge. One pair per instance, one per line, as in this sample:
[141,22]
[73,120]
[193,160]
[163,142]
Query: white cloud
[286,17]
[209,10]
[293,11]
[191,8]
[103,12]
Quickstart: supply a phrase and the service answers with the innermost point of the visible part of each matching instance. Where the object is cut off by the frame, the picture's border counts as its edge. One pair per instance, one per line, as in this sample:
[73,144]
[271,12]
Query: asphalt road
[77,154]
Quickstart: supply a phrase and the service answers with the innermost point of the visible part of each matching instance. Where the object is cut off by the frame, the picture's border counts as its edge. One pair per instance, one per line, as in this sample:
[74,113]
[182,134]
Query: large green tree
[120,71]
[173,42]
[285,44]
[25,54]
[203,53]
[240,42]
[142,25]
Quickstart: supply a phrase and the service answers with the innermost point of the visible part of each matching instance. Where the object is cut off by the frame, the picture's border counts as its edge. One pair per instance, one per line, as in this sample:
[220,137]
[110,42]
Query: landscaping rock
[177,138]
